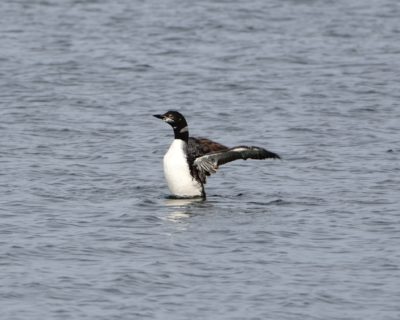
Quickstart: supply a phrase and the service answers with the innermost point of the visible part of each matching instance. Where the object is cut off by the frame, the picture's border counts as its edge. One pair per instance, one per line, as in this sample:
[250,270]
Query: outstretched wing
[209,163]
[198,147]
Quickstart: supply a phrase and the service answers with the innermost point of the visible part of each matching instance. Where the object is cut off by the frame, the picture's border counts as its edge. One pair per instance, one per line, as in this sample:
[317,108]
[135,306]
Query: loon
[190,160]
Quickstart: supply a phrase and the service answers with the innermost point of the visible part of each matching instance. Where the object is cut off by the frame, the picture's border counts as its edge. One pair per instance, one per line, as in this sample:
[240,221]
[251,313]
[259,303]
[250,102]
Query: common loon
[190,160]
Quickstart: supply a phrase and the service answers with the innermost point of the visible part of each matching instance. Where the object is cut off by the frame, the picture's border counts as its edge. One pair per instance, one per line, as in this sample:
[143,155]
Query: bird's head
[175,119]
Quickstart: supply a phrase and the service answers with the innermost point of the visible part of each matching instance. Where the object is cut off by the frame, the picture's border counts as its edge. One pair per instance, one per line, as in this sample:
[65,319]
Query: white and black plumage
[190,160]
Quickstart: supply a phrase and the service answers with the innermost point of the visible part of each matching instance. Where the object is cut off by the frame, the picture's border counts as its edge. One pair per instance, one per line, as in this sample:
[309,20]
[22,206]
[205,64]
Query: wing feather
[198,147]
[209,163]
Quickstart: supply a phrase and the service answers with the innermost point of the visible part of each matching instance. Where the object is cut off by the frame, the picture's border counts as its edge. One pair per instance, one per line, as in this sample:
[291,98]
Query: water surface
[87,230]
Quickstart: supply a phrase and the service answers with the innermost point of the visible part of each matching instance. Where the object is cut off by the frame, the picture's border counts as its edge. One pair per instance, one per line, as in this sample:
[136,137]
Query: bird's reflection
[182,202]
[182,208]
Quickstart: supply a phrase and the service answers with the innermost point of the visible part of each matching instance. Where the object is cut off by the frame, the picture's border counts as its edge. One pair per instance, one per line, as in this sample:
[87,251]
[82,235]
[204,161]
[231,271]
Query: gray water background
[86,229]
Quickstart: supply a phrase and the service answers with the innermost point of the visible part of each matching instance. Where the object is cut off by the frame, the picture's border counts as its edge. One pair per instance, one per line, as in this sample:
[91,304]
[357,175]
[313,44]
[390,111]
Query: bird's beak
[159,116]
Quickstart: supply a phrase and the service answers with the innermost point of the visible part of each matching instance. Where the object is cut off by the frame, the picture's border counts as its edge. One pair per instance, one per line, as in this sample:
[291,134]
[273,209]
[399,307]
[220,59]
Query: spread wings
[206,156]
[198,147]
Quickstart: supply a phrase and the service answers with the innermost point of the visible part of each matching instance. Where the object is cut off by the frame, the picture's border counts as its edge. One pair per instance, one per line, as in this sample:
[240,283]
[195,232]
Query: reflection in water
[181,202]
[178,216]
[182,207]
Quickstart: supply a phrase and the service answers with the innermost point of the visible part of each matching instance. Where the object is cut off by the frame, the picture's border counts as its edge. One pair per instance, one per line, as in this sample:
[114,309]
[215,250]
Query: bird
[190,160]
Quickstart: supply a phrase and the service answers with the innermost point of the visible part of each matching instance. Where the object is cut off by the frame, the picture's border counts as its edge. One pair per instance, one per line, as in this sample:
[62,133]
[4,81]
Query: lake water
[87,230]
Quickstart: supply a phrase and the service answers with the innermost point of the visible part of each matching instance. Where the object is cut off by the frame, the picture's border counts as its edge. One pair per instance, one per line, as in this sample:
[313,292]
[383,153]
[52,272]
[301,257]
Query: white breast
[177,172]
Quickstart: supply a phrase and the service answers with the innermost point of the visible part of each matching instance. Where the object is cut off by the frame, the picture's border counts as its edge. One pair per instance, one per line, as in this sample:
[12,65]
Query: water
[87,231]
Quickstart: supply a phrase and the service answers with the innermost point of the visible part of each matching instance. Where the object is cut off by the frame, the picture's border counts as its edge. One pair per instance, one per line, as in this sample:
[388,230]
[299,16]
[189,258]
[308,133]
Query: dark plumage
[198,147]
[210,162]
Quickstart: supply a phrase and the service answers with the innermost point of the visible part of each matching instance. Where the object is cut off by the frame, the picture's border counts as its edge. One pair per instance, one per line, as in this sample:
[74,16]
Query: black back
[198,147]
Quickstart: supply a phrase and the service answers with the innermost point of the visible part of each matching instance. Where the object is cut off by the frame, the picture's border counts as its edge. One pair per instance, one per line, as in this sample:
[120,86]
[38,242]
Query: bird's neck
[181,133]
